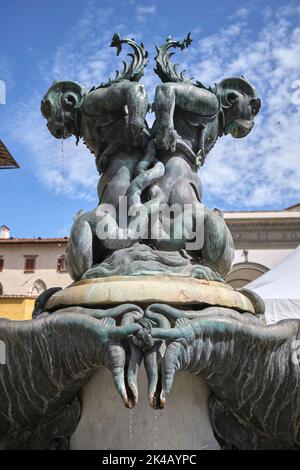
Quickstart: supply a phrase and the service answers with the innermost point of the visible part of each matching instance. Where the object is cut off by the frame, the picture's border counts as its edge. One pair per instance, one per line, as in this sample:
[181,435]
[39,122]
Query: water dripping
[62,174]
[155,430]
[62,165]
[130,425]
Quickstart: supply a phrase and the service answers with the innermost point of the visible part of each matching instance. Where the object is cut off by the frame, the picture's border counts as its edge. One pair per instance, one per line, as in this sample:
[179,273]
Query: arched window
[1,289]
[38,287]
[243,273]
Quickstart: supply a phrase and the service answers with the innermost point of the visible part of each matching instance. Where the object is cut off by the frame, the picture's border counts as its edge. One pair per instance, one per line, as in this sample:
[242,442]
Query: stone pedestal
[106,424]
[178,291]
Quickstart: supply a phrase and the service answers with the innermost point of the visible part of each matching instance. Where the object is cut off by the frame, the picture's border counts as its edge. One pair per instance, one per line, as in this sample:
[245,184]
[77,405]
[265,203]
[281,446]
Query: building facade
[262,240]
[28,266]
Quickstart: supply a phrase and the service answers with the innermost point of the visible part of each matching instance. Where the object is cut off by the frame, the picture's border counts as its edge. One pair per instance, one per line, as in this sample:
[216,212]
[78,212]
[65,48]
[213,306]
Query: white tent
[280,289]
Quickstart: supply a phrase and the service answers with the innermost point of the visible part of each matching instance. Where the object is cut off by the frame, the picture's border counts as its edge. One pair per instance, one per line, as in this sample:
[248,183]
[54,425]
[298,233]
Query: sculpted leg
[117,176]
[218,248]
[164,105]
[79,253]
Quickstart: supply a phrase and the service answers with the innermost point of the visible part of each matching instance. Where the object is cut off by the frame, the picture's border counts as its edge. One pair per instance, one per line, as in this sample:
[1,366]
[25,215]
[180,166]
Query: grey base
[142,260]
[106,424]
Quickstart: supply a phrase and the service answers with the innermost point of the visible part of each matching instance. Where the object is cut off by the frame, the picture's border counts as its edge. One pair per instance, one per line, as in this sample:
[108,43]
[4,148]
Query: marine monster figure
[251,369]
[151,172]
[197,115]
[111,121]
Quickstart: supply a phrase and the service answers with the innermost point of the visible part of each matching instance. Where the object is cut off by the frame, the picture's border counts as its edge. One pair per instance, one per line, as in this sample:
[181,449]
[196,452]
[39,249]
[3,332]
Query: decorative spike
[164,69]
[133,71]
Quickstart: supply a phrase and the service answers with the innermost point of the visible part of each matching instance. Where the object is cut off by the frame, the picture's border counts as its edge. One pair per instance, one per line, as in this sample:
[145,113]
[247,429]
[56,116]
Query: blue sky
[45,40]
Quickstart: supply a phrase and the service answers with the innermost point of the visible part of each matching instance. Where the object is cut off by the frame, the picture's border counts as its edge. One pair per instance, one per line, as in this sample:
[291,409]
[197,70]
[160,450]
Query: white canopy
[280,289]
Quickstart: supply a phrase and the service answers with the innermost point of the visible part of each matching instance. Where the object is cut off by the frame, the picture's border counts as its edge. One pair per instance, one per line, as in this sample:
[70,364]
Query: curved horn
[167,71]
[139,60]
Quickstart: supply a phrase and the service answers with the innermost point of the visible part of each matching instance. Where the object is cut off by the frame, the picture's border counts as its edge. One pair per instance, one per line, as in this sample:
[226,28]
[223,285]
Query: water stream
[130,424]
[155,431]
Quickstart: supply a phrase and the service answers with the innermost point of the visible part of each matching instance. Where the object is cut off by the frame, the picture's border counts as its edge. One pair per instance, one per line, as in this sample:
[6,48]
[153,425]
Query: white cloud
[142,12]
[84,56]
[149,10]
[256,172]
[2,92]
[263,169]
[242,12]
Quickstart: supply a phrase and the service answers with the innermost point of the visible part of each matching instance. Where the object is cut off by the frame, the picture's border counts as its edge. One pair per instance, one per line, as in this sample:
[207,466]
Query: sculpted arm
[164,105]
[127,97]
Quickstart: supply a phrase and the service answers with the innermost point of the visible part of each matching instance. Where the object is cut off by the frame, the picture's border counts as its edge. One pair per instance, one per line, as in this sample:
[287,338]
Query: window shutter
[29,265]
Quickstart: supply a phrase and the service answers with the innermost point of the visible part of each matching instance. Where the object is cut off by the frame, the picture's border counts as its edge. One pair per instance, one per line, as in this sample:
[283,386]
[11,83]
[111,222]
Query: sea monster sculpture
[150,172]
[189,119]
[190,113]
[250,368]
[110,119]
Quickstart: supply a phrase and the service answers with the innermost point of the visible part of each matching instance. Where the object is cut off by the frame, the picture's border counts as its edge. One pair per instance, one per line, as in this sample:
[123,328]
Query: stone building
[28,266]
[262,239]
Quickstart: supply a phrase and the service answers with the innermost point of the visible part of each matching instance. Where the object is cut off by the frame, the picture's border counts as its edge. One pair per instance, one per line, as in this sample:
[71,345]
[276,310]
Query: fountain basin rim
[146,290]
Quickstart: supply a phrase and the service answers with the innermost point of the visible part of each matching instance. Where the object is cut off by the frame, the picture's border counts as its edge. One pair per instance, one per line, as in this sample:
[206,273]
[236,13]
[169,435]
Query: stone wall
[17,282]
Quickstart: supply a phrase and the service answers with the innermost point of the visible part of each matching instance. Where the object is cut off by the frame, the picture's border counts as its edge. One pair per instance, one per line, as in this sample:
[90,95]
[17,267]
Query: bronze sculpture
[206,327]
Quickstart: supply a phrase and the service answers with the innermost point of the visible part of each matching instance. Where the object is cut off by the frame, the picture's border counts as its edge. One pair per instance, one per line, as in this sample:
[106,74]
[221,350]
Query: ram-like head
[240,104]
[60,106]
